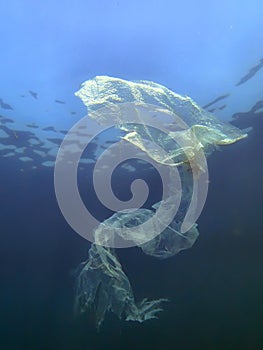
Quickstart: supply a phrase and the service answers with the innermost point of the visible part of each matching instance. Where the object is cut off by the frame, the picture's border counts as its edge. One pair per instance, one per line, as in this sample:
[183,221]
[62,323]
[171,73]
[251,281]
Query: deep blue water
[201,49]
[215,288]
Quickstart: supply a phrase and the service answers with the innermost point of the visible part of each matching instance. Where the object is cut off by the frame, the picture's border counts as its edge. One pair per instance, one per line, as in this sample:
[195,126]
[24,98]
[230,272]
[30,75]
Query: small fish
[34,94]
[110,142]
[222,107]
[251,73]
[5,105]
[32,126]
[212,110]
[257,106]
[49,128]
[60,101]
[5,120]
[253,118]
[73,113]
[222,97]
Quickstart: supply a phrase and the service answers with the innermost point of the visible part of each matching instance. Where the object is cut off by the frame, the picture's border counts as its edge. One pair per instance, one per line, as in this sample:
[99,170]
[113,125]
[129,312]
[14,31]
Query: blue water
[201,49]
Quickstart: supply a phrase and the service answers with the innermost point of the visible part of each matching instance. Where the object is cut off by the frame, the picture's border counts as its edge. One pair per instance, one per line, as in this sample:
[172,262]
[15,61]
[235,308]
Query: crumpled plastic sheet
[101,284]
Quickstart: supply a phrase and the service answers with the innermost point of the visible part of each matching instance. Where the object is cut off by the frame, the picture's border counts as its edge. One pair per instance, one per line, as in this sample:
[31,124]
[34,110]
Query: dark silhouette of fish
[60,101]
[222,97]
[49,128]
[252,118]
[212,110]
[32,126]
[5,120]
[243,120]
[5,105]
[34,94]
[251,73]
[73,113]
[21,137]
[257,106]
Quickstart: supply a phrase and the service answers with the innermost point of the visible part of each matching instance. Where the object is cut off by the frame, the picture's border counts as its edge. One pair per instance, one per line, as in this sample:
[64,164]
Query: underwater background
[208,50]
